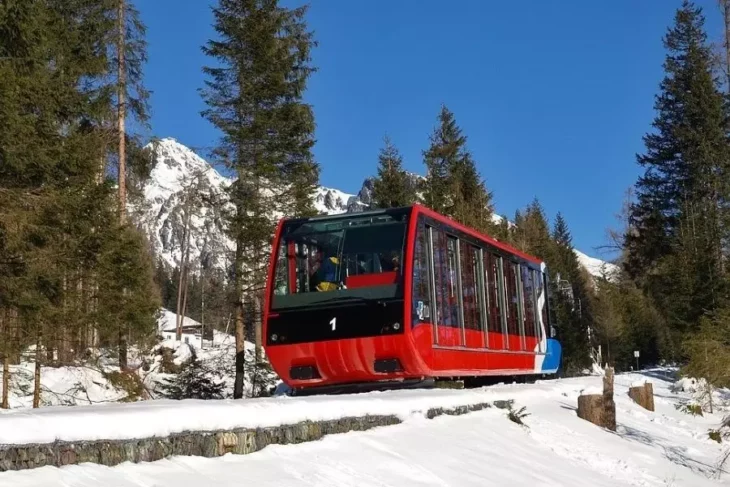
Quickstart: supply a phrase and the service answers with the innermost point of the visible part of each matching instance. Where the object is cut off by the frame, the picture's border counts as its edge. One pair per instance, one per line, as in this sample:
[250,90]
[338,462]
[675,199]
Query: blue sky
[554,97]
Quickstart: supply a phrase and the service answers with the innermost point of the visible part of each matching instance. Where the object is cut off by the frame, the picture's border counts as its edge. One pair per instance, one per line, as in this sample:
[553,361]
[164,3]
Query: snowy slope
[596,267]
[88,384]
[177,167]
[554,448]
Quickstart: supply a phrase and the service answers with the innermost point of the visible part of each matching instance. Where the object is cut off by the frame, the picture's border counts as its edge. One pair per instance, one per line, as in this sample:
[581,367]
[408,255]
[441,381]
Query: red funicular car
[402,294]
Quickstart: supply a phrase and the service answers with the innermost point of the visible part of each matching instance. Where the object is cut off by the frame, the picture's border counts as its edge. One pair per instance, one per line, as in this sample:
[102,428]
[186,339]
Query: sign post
[636,354]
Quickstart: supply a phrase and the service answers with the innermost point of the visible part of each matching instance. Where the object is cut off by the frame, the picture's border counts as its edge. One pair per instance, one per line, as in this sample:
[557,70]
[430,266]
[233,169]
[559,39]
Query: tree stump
[609,407]
[643,396]
[600,409]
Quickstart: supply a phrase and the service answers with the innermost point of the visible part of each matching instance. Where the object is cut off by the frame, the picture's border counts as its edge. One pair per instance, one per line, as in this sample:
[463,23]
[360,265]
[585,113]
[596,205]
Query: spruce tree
[453,185]
[254,97]
[54,106]
[679,223]
[561,234]
[391,188]
[573,300]
[531,232]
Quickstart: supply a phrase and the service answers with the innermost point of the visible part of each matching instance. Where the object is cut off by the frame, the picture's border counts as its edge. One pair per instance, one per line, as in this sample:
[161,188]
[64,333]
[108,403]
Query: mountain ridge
[180,173]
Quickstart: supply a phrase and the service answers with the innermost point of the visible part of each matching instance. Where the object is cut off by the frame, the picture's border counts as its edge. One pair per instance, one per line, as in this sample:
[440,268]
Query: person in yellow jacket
[326,274]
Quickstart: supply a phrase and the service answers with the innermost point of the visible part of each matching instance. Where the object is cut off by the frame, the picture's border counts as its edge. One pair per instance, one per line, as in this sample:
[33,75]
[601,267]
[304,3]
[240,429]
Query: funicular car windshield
[339,259]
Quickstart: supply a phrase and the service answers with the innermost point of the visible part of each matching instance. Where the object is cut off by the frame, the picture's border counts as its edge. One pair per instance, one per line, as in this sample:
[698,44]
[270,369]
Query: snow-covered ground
[92,381]
[554,448]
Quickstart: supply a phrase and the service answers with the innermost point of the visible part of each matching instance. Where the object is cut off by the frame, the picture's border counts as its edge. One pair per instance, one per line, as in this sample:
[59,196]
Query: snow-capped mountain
[182,180]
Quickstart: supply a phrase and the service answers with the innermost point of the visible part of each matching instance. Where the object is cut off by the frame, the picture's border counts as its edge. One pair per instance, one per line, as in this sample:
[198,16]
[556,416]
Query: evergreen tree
[254,97]
[573,300]
[561,234]
[531,232]
[391,188]
[446,140]
[679,224]
[53,109]
[453,185]
[127,55]
[195,381]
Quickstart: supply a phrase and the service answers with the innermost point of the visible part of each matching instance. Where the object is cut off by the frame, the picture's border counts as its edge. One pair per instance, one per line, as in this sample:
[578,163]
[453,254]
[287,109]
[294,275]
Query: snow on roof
[168,321]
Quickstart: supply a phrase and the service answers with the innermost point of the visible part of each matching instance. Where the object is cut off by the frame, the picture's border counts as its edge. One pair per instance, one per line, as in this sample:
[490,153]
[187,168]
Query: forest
[78,276]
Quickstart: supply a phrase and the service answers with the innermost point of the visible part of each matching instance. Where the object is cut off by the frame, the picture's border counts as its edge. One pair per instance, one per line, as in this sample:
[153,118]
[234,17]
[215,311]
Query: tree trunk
[609,406]
[5,336]
[37,376]
[123,362]
[182,281]
[600,409]
[185,296]
[643,396]
[257,311]
[202,308]
[6,382]
[240,343]
[590,408]
[258,344]
[178,308]
[121,112]
[725,12]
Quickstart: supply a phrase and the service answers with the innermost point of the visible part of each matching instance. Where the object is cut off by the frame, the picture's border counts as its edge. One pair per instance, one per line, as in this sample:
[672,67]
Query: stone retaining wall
[198,443]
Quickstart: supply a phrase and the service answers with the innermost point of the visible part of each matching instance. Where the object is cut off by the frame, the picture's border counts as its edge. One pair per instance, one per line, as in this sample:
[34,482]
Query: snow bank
[164,417]
[62,386]
[591,390]
[556,448]
[688,384]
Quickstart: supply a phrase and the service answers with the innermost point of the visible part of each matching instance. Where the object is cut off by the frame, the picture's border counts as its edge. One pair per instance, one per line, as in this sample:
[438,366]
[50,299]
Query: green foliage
[128,299]
[254,97]
[708,350]
[692,409]
[715,435]
[453,185]
[517,416]
[678,227]
[571,295]
[391,188]
[129,382]
[59,220]
[627,320]
[194,381]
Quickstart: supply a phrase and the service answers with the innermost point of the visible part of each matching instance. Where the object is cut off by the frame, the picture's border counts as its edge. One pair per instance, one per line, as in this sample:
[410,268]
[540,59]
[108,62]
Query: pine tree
[561,234]
[195,381]
[254,97]
[127,60]
[440,159]
[573,302]
[391,188]
[680,219]
[54,107]
[531,232]
[453,185]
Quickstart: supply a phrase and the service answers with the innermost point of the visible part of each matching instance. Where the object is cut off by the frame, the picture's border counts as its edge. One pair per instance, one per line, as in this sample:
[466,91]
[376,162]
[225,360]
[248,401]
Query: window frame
[497,258]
